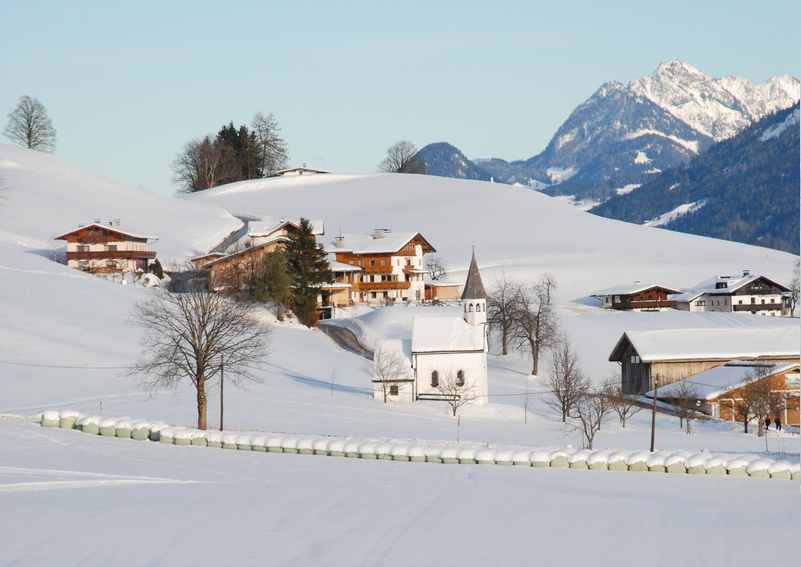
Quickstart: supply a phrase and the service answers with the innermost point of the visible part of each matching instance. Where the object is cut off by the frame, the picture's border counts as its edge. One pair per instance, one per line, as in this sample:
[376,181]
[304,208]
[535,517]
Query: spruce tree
[308,269]
[273,284]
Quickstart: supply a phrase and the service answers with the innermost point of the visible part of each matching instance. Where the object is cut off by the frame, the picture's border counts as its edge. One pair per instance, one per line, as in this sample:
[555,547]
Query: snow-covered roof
[304,168]
[710,384]
[446,334]
[709,286]
[443,283]
[394,348]
[726,343]
[265,227]
[386,243]
[107,228]
[633,288]
[341,266]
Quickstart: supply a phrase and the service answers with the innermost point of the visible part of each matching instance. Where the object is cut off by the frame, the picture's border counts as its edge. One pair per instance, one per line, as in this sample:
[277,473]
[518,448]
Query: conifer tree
[273,284]
[308,269]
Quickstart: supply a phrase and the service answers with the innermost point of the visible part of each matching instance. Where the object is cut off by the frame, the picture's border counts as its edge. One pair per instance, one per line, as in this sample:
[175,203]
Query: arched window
[460,378]
[478,307]
[470,309]
[434,379]
[465,307]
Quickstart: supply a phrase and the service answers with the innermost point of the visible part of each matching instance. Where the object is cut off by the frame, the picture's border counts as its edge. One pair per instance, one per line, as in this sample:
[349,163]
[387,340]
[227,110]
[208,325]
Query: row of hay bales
[670,462]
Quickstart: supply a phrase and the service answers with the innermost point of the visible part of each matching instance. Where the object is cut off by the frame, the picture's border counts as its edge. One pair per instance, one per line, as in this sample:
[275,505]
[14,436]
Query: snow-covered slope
[41,196]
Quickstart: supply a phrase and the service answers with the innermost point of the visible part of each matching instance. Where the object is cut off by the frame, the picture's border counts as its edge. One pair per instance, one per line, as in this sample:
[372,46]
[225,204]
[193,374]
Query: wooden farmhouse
[107,249]
[390,266]
[749,293]
[637,297]
[722,391]
[670,355]
[439,291]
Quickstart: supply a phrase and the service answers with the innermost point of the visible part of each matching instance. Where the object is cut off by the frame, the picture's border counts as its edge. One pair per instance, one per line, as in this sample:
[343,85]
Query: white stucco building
[749,293]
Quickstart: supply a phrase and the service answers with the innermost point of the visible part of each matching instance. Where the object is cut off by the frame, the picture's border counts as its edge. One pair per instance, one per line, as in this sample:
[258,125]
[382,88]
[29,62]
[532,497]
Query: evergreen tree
[156,269]
[273,284]
[308,269]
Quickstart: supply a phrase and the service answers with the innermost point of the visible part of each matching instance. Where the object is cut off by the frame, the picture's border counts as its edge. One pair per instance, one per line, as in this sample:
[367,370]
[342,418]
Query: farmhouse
[721,391]
[670,355]
[390,265]
[637,297]
[748,293]
[107,249]
[449,354]
[439,290]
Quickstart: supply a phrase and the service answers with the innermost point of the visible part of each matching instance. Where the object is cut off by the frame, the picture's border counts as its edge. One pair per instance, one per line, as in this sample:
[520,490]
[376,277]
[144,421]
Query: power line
[64,366]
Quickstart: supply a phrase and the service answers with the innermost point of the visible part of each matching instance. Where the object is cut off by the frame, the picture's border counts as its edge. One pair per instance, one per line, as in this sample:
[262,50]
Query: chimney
[379,233]
[746,272]
[339,241]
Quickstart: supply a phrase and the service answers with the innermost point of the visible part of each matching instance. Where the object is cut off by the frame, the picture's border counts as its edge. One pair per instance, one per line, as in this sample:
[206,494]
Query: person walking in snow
[767,423]
[778,423]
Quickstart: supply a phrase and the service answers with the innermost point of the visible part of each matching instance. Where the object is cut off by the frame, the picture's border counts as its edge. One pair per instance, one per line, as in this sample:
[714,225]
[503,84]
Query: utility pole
[222,369]
[653,413]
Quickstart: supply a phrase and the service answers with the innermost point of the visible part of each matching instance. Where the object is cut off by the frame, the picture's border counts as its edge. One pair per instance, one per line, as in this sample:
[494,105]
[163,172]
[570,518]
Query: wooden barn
[107,249]
[670,355]
[442,291]
[637,297]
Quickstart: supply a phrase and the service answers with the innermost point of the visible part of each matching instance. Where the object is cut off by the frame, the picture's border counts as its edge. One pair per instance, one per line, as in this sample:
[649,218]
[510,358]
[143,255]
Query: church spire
[473,286]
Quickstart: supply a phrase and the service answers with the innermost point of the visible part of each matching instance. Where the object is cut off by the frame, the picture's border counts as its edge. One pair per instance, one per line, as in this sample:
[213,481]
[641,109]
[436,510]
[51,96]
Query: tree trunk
[201,404]
[535,358]
[504,341]
[564,414]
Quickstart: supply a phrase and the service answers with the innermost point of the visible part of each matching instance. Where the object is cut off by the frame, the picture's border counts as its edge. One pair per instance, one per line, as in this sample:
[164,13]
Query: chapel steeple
[474,297]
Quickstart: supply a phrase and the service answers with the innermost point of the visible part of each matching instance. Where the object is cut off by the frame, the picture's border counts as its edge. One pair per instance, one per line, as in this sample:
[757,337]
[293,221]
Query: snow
[641,158]
[436,334]
[673,214]
[629,289]
[560,174]
[581,204]
[691,145]
[626,189]
[389,242]
[777,129]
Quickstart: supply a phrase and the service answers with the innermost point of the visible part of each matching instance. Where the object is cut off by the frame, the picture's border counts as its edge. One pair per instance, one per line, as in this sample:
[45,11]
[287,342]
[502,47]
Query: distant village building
[670,355]
[296,171]
[390,265]
[440,290]
[749,293]
[637,297]
[721,391]
[107,249]
[453,349]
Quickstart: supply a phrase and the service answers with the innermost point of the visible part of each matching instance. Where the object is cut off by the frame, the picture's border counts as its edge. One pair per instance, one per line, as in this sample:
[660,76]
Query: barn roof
[710,343]
[633,288]
[105,228]
[387,243]
[446,334]
[712,383]
[473,286]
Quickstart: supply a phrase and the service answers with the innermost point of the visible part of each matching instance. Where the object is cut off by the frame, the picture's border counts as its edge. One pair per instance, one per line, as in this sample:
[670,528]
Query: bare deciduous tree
[273,151]
[685,396]
[30,127]
[589,412]
[566,383]
[455,391]
[191,336]
[795,286]
[758,401]
[389,366]
[200,165]
[535,327]
[501,309]
[401,158]
[436,267]
[619,402]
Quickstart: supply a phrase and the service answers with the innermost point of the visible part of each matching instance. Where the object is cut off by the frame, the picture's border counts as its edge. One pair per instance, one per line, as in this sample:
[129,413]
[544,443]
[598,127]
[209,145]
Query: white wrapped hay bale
[696,464]
[467,456]
[306,445]
[617,461]
[795,471]
[320,446]
[656,462]
[258,443]
[182,436]
[244,443]
[559,459]
[155,430]
[759,468]
[522,458]
[485,456]
[108,427]
[50,419]
[274,443]
[780,470]
[384,451]
[140,430]
[89,424]
[599,460]
[351,449]
[541,458]
[290,444]
[229,440]
[676,463]
[198,438]
[638,461]
[400,452]
[166,435]
[417,454]
[214,439]
[504,457]
[67,419]
[738,467]
[123,429]
[578,460]
[434,454]
[716,465]
[336,447]
[367,450]
[449,455]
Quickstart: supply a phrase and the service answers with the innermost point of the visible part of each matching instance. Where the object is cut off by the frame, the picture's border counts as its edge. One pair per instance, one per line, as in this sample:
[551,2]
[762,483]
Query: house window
[739,302]
[460,378]
[434,379]
[635,359]
[393,390]
[763,302]
[83,248]
[111,247]
[470,309]
[617,299]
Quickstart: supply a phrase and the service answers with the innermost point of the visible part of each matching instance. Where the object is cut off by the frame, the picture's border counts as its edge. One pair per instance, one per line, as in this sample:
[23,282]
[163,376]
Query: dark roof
[473,286]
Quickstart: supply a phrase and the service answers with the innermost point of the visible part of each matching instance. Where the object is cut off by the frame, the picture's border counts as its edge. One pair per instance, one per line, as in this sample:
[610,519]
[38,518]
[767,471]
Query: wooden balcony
[112,255]
[381,286]
[756,307]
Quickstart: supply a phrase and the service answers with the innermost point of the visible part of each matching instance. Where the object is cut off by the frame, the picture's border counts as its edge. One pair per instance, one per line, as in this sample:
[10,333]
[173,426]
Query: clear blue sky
[127,83]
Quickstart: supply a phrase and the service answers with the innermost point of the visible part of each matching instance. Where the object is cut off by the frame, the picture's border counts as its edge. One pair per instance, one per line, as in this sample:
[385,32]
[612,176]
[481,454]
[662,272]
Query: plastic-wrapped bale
[123,429]
[351,448]
[306,445]
[559,459]
[290,444]
[696,464]
[617,461]
[638,461]
[467,456]
[229,440]
[140,430]
[656,462]
[795,471]
[155,430]
[780,470]
[108,427]
[522,458]
[676,463]
[434,454]
[89,424]
[737,467]
[50,419]
[599,460]
[759,468]
[504,457]
[320,446]
[400,452]
[485,456]
[244,443]
[578,460]
[67,419]
[541,459]
[716,466]
[417,454]
[214,439]
[336,447]
[167,435]
[449,455]
[199,438]
[367,450]
[274,443]
[258,443]
[182,437]
[384,451]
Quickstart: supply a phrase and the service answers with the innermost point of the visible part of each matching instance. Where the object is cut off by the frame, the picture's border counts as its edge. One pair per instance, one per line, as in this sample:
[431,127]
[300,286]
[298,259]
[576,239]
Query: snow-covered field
[66,338]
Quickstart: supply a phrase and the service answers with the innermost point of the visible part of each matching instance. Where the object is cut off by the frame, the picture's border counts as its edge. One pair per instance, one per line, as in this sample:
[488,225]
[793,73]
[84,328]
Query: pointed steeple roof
[473,286]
